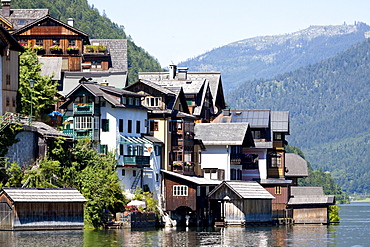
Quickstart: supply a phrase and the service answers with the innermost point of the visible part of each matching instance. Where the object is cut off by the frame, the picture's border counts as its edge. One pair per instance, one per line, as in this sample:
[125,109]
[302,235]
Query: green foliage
[45,90]
[328,104]
[151,203]
[334,213]
[46,174]
[89,20]
[15,175]
[8,137]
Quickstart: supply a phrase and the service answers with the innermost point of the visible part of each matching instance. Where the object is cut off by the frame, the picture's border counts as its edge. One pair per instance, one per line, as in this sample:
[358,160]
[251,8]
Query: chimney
[183,73]
[173,69]
[70,22]
[5,5]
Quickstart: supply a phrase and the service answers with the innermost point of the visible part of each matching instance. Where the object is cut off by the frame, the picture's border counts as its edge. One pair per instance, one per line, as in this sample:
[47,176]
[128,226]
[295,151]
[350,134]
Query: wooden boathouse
[41,209]
[240,203]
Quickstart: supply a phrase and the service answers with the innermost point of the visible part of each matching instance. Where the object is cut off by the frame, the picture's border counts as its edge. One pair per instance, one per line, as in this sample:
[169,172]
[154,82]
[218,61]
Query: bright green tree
[44,91]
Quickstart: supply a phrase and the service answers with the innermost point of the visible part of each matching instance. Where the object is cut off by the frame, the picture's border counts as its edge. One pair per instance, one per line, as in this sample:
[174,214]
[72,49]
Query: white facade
[216,157]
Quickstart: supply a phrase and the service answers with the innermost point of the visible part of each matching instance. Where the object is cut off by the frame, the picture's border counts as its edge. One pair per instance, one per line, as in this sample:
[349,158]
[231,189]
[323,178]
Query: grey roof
[189,86]
[244,190]
[222,133]
[27,16]
[275,181]
[118,52]
[309,195]
[152,139]
[51,66]
[255,118]
[47,131]
[280,121]
[43,195]
[195,180]
[71,79]
[156,87]
[296,166]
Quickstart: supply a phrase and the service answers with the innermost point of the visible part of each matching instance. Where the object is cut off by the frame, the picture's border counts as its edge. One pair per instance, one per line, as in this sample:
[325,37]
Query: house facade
[115,121]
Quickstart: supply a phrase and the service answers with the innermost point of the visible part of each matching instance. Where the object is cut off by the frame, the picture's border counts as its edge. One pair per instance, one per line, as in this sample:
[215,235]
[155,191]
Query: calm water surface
[354,230]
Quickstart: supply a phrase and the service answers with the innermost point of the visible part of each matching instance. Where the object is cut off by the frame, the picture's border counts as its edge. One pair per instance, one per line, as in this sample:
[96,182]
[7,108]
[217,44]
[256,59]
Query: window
[130,101]
[277,136]
[134,173]
[120,125]
[7,101]
[96,123]
[40,42]
[139,151]
[177,156]
[22,22]
[199,157]
[83,122]
[7,79]
[180,190]
[130,150]
[138,127]
[156,177]
[123,172]
[277,190]
[153,125]
[152,101]
[56,42]
[157,150]
[250,161]
[65,64]
[137,101]
[105,125]
[232,174]
[14,102]
[104,149]
[23,42]
[129,126]
[120,149]
[275,160]
[256,134]
[123,100]
[96,64]
[71,42]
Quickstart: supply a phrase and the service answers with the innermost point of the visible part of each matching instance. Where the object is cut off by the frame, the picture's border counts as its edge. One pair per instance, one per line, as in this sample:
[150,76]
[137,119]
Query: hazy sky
[173,31]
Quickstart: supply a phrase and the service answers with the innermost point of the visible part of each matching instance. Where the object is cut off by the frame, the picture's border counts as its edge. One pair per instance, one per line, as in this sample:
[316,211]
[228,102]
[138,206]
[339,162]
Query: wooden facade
[41,209]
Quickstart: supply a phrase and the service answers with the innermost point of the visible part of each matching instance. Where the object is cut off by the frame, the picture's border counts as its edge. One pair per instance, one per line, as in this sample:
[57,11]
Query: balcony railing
[136,160]
[83,108]
[80,134]
[185,168]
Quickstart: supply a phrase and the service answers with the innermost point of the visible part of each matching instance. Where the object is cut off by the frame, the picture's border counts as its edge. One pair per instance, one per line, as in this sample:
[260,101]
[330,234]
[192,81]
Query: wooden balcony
[83,108]
[81,134]
[184,168]
[138,161]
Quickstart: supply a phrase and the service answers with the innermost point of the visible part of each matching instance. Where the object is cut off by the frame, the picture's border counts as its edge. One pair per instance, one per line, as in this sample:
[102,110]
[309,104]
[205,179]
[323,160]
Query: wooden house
[310,205]
[203,90]
[9,71]
[186,196]
[224,144]
[41,209]
[240,202]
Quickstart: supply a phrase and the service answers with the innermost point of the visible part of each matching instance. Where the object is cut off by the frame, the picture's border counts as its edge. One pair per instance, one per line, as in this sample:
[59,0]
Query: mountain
[89,20]
[329,106]
[267,56]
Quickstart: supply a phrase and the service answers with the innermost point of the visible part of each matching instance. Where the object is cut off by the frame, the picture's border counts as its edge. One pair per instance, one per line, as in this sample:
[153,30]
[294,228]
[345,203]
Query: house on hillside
[9,71]
[203,90]
[115,120]
[41,209]
[310,205]
[224,144]
[240,203]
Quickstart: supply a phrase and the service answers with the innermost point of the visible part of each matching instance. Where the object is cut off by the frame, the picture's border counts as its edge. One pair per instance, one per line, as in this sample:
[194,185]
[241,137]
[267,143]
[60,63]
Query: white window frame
[152,101]
[180,190]
[83,122]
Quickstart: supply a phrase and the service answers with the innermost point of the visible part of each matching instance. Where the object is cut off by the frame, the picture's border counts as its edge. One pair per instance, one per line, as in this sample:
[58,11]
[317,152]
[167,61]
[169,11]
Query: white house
[115,121]
[224,144]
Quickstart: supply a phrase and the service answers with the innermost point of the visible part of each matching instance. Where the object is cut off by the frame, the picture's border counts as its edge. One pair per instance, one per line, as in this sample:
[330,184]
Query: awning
[135,140]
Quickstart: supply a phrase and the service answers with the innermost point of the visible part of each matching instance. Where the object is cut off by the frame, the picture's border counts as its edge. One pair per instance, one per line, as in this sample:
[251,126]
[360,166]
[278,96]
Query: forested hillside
[329,109]
[268,56]
[97,26]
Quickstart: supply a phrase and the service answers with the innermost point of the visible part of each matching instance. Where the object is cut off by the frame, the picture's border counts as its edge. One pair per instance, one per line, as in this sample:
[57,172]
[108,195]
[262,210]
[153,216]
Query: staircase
[9,118]
[137,180]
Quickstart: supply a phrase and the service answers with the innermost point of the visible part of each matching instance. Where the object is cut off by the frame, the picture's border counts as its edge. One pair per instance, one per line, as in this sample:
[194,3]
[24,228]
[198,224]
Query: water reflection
[352,231]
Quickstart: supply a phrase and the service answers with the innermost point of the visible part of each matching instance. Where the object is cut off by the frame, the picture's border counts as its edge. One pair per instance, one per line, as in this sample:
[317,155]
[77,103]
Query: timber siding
[41,209]
[174,202]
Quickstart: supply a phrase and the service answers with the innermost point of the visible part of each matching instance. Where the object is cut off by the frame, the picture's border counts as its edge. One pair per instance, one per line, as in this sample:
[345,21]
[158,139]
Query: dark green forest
[329,110]
[98,26]
[267,56]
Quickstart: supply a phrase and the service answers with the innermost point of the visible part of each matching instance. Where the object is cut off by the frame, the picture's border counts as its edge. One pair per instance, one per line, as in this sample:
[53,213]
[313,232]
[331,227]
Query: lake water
[354,230]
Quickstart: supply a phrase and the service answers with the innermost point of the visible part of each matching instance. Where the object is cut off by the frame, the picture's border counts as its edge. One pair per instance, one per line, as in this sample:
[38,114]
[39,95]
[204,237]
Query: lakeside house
[41,209]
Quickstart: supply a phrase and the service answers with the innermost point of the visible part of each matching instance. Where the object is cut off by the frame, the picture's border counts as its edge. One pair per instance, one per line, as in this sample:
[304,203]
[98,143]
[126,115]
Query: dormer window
[130,101]
[152,101]
[137,101]
[123,100]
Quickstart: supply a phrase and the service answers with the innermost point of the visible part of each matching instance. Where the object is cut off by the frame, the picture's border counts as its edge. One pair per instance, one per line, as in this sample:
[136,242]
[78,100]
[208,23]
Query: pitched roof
[155,86]
[43,195]
[118,52]
[71,79]
[244,190]
[224,133]
[47,131]
[22,17]
[51,66]
[6,39]
[255,118]
[280,121]
[195,180]
[309,195]
[296,166]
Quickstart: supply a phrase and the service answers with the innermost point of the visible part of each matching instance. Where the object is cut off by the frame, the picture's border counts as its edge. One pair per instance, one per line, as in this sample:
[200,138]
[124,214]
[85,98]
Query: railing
[83,108]
[80,134]
[186,168]
[136,160]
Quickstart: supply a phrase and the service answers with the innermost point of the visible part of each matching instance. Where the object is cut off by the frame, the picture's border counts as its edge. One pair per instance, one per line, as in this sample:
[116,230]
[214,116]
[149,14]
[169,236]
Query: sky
[173,31]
